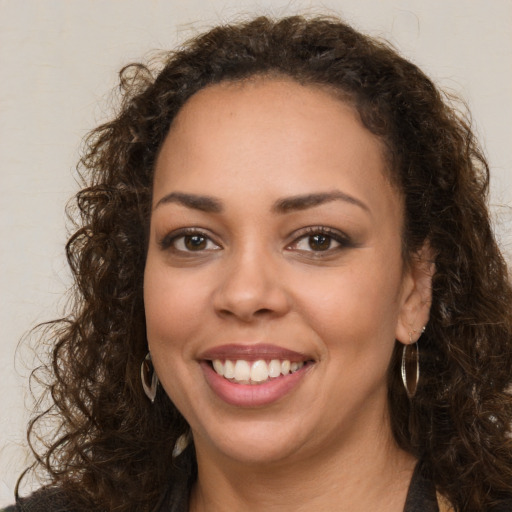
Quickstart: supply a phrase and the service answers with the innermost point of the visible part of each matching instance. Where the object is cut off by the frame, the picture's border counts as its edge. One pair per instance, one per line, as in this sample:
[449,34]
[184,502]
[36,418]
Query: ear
[416,296]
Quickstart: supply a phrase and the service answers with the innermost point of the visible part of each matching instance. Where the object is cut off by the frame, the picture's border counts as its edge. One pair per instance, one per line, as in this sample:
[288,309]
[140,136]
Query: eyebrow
[303,202]
[288,204]
[203,203]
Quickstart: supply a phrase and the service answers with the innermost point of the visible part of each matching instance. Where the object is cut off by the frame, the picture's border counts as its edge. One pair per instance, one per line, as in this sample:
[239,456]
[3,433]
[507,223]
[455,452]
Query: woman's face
[275,258]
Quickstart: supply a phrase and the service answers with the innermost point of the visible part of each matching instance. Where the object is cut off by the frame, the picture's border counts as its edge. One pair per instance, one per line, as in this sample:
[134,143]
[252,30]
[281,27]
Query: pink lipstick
[253,375]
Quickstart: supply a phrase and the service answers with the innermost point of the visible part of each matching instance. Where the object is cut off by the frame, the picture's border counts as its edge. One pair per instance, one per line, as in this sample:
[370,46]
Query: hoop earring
[148,377]
[410,367]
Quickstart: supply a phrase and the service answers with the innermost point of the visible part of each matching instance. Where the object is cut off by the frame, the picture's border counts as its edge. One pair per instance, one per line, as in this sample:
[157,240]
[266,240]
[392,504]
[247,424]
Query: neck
[373,474]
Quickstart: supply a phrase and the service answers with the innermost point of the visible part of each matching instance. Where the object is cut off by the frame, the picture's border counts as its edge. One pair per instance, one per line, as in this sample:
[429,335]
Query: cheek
[356,309]
[173,301]
[172,307]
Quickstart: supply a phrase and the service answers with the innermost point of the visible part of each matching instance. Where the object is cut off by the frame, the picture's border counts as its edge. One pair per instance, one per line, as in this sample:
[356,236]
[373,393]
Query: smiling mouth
[241,371]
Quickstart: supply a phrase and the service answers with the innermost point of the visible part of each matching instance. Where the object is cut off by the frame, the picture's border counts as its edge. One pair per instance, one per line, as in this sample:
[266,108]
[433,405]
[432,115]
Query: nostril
[263,311]
[247,315]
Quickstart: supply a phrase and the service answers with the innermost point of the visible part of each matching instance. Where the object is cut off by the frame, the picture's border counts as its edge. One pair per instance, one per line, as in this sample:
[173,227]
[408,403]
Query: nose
[251,287]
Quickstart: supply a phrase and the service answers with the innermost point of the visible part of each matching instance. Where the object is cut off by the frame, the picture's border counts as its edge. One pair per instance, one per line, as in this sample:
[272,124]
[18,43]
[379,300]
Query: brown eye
[195,242]
[316,240]
[184,242]
[319,242]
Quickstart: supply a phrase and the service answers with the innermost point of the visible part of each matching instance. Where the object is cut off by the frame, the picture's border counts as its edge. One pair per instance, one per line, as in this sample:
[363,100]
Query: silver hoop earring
[148,377]
[410,367]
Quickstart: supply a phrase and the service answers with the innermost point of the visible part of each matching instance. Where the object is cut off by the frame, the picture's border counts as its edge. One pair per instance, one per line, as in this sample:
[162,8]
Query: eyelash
[168,242]
[331,234]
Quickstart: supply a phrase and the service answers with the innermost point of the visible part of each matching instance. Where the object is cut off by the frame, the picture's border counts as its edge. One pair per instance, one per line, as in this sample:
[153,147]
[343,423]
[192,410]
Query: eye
[187,241]
[320,239]
[193,243]
[317,242]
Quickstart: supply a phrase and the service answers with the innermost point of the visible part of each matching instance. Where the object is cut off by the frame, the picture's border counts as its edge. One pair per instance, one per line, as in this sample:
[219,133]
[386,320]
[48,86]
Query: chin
[253,444]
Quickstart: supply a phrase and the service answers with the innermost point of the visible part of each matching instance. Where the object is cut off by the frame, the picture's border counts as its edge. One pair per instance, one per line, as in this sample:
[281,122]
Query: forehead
[272,135]
[264,99]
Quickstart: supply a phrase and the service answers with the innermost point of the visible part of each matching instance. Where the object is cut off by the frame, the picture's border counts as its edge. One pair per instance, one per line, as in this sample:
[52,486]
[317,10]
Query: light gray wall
[58,60]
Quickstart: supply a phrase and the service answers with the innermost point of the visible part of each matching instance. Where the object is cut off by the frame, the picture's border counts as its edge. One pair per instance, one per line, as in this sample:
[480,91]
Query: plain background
[58,64]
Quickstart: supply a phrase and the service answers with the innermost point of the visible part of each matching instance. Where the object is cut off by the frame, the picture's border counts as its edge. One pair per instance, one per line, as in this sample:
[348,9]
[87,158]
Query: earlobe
[416,296]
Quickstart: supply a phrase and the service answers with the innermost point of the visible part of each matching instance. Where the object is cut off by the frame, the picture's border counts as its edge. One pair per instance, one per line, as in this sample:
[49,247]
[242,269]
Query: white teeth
[274,368]
[259,371]
[218,367]
[242,370]
[245,372]
[229,369]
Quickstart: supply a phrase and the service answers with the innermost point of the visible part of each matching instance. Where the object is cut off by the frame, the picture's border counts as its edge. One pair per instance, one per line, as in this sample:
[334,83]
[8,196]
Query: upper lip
[252,353]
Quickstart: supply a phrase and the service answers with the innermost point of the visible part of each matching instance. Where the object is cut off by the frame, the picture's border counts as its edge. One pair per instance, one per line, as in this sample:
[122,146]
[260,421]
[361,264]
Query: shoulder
[422,492]
[44,500]
[505,506]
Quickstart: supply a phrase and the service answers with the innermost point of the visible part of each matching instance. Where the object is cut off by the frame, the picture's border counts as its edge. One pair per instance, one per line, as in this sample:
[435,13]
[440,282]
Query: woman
[288,293]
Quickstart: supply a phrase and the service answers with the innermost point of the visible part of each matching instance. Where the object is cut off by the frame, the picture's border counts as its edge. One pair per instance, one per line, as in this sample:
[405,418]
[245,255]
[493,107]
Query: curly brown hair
[112,449]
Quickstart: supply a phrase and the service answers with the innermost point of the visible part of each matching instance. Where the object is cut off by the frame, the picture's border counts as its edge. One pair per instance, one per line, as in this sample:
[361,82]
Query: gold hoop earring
[148,378]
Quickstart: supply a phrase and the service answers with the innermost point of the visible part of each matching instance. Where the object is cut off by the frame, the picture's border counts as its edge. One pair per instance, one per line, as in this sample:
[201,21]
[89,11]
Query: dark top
[421,497]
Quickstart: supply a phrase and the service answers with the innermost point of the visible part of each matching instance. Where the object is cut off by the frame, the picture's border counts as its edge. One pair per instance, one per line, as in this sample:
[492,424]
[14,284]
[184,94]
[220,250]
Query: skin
[259,277]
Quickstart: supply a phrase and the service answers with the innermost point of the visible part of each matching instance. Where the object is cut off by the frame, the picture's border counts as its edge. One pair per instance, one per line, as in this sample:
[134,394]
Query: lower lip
[252,395]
